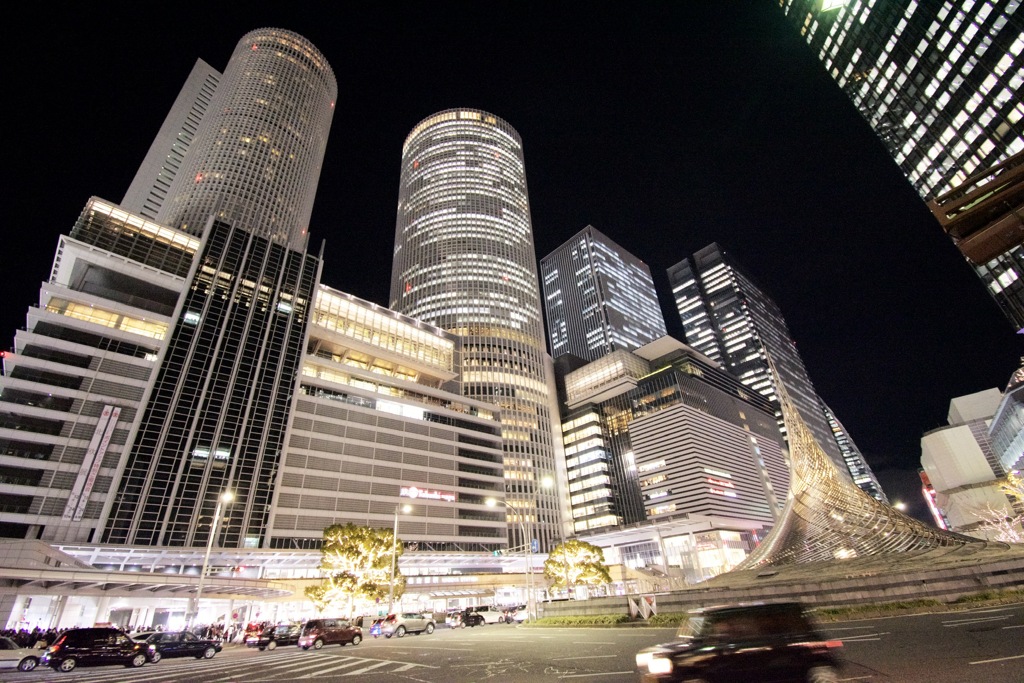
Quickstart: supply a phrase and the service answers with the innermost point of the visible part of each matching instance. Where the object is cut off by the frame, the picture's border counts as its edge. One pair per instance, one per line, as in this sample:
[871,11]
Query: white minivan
[490,613]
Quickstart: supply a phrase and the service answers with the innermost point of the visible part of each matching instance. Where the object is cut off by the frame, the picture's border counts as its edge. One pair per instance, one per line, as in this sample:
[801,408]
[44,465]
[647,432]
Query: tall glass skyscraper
[729,318]
[598,298]
[465,262]
[250,146]
[940,82]
[250,143]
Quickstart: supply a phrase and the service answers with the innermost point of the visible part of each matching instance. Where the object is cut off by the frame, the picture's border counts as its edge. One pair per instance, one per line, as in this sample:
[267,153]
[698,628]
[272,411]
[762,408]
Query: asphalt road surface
[954,647]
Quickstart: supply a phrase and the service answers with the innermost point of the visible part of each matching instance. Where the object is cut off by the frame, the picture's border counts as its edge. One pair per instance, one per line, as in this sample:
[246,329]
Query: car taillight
[833,643]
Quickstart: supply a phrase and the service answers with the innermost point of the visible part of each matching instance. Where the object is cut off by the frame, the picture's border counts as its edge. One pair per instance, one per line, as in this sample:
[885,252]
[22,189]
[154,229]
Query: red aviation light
[415,163]
[408,287]
[199,177]
[255,47]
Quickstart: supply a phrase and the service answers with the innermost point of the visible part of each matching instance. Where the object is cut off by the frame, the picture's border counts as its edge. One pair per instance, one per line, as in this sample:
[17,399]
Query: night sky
[666,125]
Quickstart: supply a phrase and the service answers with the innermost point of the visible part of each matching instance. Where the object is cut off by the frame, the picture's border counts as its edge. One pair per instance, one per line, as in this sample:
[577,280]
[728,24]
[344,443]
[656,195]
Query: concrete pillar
[102,610]
[57,610]
[12,609]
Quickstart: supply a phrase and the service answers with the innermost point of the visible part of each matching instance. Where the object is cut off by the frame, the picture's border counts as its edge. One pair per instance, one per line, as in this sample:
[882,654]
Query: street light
[225,497]
[491,502]
[394,548]
[549,482]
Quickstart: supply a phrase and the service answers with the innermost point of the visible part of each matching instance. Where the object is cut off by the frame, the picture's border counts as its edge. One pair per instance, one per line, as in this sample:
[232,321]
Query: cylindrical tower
[257,155]
[464,261]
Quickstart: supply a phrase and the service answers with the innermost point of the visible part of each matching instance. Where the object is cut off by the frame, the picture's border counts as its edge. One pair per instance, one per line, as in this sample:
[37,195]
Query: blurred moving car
[453,618]
[160,644]
[319,632]
[282,634]
[407,622]
[94,646]
[14,657]
[769,643]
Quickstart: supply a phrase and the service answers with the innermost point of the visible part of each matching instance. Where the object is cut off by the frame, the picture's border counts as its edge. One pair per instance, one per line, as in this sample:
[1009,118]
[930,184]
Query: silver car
[22,658]
[407,622]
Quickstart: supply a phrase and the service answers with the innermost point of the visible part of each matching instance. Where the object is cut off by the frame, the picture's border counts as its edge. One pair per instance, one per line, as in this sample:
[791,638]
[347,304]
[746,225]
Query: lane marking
[999,659]
[558,659]
[604,673]
[980,620]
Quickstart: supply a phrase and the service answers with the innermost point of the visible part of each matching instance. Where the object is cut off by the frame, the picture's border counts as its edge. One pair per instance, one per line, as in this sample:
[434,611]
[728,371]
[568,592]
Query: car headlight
[642,659]
[659,665]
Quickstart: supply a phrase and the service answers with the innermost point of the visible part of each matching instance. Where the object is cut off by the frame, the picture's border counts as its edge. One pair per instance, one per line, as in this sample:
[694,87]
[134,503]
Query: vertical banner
[86,479]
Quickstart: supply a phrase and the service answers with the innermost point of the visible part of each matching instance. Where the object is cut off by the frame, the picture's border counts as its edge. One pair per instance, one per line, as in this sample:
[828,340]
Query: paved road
[981,645]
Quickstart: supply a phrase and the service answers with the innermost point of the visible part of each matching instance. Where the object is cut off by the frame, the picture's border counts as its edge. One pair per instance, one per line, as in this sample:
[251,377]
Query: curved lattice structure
[828,518]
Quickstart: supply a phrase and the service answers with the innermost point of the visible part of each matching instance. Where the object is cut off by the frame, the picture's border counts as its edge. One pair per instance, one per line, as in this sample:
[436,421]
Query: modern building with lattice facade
[464,261]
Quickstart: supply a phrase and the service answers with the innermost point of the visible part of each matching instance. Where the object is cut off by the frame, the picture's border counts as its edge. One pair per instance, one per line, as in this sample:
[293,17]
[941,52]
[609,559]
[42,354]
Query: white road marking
[963,622]
[999,659]
[557,659]
[604,673]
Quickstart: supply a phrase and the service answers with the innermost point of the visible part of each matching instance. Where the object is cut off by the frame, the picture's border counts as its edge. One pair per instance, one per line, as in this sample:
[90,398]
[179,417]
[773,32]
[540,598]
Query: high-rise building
[74,386]
[464,261]
[598,298]
[862,475]
[379,428]
[663,444]
[940,84]
[729,318]
[663,432]
[245,147]
[216,416]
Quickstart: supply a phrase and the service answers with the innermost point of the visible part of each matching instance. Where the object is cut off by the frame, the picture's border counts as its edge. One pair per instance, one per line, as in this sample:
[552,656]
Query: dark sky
[666,125]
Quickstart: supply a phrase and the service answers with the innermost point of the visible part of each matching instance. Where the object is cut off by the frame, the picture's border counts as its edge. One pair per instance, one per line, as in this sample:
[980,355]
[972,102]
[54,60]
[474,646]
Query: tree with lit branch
[574,563]
[1005,524]
[356,561]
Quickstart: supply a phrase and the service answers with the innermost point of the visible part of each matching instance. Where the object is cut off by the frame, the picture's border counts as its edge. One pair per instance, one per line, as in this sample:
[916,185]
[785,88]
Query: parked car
[773,643]
[513,614]
[282,634]
[94,646]
[453,618]
[407,622]
[14,657]
[160,644]
[319,632]
[490,613]
[470,617]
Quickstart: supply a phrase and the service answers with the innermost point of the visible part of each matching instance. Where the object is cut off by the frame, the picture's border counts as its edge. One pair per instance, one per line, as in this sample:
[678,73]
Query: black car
[160,644]
[471,617]
[768,643]
[92,646]
[270,638]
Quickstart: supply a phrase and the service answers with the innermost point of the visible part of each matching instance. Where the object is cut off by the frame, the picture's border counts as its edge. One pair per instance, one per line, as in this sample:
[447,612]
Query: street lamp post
[491,502]
[224,498]
[394,548]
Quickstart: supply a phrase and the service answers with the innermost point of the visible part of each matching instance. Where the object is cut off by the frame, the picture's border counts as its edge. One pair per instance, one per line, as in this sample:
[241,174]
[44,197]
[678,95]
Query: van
[491,614]
[319,632]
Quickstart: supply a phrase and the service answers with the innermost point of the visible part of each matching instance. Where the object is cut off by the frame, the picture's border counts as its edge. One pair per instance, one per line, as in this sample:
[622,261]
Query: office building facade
[940,84]
[245,146]
[729,318]
[74,386]
[598,298]
[379,428]
[464,261]
[663,433]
